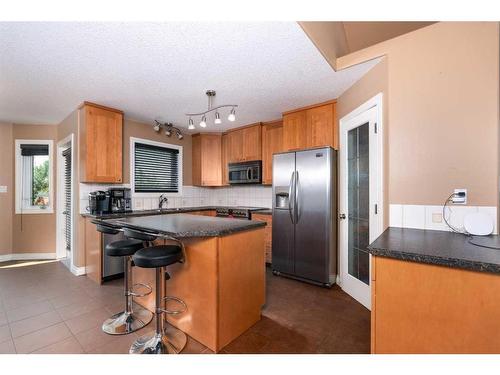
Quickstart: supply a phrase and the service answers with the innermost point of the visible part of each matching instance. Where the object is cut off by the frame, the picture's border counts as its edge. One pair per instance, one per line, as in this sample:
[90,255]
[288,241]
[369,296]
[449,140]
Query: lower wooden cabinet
[268,234]
[425,308]
[202,213]
[207,159]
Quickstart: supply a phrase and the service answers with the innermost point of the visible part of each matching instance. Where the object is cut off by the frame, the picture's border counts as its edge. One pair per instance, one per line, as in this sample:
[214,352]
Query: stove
[238,212]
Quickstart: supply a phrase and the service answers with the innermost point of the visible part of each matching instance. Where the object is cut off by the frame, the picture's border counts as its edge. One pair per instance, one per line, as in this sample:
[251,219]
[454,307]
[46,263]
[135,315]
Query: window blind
[34,149]
[67,197]
[156,169]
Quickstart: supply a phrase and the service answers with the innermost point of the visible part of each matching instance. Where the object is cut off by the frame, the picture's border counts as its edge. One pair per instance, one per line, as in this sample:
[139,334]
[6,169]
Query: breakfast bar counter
[222,280]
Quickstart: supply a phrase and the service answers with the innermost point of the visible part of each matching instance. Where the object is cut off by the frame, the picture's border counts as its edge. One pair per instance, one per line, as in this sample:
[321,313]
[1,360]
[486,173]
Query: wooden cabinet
[225,159]
[310,127]
[207,159]
[203,213]
[101,144]
[245,144]
[294,131]
[272,142]
[268,234]
[425,308]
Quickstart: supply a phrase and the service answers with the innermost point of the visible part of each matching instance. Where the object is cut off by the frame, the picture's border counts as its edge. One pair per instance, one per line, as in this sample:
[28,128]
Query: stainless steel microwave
[249,172]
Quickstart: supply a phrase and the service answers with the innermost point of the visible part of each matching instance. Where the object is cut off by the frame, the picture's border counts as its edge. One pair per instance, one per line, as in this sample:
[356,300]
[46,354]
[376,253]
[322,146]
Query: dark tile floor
[45,309]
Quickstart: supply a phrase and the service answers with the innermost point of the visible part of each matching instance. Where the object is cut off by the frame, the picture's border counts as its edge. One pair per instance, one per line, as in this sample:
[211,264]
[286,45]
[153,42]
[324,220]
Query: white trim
[27,256]
[372,108]
[18,204]
[133,141]
[60,240]
[78,271]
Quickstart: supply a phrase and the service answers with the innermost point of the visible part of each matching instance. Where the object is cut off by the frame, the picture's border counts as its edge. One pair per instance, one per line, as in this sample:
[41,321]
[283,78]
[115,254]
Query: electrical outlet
[460,196]
[437,217]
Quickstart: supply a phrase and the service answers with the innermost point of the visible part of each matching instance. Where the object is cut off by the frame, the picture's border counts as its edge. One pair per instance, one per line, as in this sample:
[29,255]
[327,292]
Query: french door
[360,208]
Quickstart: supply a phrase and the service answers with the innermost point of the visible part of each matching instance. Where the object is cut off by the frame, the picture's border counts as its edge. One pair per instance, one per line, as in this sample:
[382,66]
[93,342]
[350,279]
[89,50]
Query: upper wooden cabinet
[313,126]
[207,159]
[272,142]
[225,156]
[101,144]
[245,144]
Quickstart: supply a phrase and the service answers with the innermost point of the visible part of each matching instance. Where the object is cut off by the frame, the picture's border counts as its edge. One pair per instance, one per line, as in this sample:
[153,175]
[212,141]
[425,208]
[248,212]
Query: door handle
[290,199]
[249,174]
[296,188]
[342,216]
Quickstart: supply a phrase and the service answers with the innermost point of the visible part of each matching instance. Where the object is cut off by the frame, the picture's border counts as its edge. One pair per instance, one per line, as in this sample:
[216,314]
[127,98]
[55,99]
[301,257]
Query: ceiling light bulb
[168,132]
[232,115]
[156,127]
[191,124]
[217,118]
[179,135]
[203,122]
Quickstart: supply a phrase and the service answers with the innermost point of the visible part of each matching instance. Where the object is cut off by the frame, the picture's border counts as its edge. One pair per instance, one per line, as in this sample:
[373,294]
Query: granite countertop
[168,211]
[183,225]
[436,247]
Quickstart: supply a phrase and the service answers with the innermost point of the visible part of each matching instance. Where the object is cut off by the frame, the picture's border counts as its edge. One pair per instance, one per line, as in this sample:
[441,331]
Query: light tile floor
[46,309]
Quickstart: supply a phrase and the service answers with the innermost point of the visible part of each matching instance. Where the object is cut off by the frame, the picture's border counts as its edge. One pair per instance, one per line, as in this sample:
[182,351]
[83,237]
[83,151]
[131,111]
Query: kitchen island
[434,292]
[222,280]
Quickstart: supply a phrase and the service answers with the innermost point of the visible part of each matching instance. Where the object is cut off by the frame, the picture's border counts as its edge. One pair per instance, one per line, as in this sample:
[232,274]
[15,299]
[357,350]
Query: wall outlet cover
[459,200]
[437,217]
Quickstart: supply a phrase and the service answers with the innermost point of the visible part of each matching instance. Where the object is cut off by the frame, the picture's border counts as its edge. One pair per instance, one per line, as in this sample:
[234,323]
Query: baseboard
[27,256]
[78,271]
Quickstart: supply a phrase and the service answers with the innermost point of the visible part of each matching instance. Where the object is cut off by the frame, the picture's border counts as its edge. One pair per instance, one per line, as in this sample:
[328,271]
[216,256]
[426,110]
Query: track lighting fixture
[217,120]
[169,129]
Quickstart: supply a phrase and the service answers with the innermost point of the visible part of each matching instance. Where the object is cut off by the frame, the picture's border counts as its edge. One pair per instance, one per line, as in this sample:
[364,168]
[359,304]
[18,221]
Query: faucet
[162,200]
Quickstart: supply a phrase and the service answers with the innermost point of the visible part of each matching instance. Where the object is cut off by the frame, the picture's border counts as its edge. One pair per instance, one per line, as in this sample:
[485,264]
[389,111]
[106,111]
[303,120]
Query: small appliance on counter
[99,202]
[120,200]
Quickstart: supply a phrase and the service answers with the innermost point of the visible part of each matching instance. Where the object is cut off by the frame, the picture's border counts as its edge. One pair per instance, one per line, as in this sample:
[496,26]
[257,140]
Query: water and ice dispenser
[281,197]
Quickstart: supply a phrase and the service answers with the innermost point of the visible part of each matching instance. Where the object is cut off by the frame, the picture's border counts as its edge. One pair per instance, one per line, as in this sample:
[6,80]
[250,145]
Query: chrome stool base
[126,322]
[171,341]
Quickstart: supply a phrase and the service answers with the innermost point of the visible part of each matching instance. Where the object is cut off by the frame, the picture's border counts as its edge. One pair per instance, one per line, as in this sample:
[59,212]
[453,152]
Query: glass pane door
[358,202]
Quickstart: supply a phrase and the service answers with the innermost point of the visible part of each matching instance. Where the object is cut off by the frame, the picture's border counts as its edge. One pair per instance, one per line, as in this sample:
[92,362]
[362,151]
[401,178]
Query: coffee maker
[99,202]
[120,200]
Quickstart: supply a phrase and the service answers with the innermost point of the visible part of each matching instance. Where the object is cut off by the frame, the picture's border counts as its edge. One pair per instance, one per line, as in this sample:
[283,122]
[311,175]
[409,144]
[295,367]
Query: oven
[245,173]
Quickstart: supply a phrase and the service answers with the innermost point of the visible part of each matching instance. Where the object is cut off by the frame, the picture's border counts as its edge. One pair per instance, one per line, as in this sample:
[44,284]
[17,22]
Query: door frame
[377,228]
[60,239]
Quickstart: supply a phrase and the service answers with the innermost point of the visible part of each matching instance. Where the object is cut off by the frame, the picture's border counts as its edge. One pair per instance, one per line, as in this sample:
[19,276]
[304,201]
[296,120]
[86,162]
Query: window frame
[18,171]
[133,141]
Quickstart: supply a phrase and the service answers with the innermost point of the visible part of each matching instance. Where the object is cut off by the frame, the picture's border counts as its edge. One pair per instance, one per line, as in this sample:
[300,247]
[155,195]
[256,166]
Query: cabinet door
[235,146]
[268,234]
[225,159]
[272,142]
[252,144]
[294,131]
[211,160]
[103,145]
[320,126]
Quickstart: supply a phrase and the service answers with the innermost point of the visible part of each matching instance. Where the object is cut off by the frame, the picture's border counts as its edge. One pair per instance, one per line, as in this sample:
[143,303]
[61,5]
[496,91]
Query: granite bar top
[436,247]
[183,225]
[166,211]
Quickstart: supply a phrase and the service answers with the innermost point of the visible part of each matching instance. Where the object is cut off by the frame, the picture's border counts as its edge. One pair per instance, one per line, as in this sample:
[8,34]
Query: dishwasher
[112,267]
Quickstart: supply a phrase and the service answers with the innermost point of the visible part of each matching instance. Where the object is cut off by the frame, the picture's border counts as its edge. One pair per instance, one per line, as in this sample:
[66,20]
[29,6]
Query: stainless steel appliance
[120,200]
[249,172]
[112,267]
[99,202]
[304,215]
[234,212]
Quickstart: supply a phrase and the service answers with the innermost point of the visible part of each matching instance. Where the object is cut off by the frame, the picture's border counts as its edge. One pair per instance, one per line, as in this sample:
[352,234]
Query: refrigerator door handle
[296,193]
[291,210]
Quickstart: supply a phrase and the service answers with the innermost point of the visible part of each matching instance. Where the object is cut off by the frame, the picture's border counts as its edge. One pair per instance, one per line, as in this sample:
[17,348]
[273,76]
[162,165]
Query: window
[155,168]
[34,176]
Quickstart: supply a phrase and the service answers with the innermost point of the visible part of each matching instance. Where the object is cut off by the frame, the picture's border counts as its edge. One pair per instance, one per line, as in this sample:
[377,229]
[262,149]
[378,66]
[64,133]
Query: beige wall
[136,129]
[374,82]
[35,233]
[442,102]
[6,179]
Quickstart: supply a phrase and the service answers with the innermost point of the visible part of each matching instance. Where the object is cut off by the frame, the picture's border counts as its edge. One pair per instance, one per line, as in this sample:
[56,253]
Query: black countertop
[436,247]
[183,225]
[167,211]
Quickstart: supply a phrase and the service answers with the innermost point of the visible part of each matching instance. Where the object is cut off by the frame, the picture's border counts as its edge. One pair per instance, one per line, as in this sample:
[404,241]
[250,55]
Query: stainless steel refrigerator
[304,215]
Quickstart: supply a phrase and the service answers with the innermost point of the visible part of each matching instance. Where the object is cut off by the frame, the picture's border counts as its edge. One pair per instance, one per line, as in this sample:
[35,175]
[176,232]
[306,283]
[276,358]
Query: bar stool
[166,339]
[134,317]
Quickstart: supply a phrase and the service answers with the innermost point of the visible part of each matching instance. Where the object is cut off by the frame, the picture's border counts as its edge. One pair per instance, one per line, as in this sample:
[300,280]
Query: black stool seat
[123,248]
[157,256]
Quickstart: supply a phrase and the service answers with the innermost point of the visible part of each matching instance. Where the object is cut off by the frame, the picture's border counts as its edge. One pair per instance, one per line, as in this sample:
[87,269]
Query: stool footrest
[174,312]
[134,294]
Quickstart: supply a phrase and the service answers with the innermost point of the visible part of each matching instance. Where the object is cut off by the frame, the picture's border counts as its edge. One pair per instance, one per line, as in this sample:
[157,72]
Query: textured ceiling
[162,70]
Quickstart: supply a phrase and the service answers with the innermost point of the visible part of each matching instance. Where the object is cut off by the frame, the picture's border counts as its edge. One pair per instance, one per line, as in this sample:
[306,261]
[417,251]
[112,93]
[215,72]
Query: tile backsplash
[254,195]
[431,217]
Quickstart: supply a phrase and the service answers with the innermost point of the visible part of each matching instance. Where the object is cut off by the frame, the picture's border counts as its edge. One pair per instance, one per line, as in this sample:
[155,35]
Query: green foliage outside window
[41,184]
